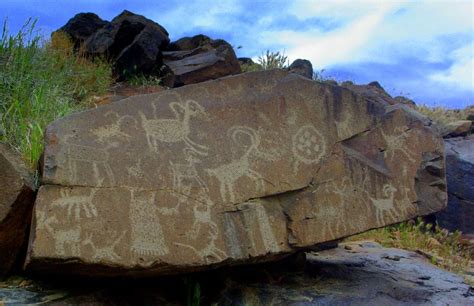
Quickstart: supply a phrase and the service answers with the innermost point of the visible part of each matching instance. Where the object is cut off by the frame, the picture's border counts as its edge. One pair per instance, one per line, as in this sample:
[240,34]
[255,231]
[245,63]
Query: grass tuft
[441,115]
[41,81]
[444,249]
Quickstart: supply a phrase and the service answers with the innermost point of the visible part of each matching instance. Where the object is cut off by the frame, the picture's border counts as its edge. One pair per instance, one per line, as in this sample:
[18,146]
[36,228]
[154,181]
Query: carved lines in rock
[308,145]
[146,234]
[105,252]
[77,204]
[98,158]
[228,174]
[174,130]
[187,172]
[385,206]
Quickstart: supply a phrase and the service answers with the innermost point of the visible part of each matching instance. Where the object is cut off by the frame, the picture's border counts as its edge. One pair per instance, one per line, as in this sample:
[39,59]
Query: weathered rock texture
[197,59]
[302,67]
[82,26]
[237,170]
[133,42]
[456,128]
[459,214]
[356,273]
[16,204]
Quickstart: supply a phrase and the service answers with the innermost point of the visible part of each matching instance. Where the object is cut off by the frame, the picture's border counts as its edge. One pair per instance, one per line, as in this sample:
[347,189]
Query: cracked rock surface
[460,177]
[232,171]
[17,195]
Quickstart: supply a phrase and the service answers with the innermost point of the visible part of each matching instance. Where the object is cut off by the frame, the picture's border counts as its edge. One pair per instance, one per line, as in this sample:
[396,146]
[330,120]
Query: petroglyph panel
[237,170]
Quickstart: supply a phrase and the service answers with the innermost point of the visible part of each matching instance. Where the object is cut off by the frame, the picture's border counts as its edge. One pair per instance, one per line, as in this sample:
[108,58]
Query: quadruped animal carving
[76,204]
[228,174]
[68,238]
[114,129]
[397,142]
[174,130]
[385,205]
[106,252]
[96,157]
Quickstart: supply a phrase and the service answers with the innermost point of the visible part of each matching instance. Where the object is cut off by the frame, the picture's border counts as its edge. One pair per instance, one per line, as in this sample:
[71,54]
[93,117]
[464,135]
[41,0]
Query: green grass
[41,81]
[445,249]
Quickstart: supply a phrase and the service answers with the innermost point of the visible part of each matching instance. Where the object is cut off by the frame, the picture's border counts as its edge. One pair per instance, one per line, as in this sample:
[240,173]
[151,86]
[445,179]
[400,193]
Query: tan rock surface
[236,170]
[16,204]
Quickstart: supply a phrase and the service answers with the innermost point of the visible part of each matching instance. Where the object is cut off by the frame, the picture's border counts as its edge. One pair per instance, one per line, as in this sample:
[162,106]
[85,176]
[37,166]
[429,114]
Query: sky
[420,49]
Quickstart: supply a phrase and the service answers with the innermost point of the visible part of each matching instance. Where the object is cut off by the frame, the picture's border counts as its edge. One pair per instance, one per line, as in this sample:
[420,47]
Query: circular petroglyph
[308,145]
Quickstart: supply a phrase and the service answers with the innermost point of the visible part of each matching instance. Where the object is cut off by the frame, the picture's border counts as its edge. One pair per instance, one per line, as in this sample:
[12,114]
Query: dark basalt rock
[132,41]
[302,67]
[460,178]
[211,59]
[17,195]
[82,26]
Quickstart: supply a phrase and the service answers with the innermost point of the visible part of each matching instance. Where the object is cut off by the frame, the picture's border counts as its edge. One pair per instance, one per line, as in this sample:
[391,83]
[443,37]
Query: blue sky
[421,49]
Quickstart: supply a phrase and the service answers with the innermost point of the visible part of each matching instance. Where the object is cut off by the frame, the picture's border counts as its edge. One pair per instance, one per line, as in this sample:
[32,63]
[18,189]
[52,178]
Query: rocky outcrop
[302,67]
[199,59]
[237,170]
[17,196]
[459,214]
[82,26]
[375,276]
[132,41]
[456,128]
[190,43]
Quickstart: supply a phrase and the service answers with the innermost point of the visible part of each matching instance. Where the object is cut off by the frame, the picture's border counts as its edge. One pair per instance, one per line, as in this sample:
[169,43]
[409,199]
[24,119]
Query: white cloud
[342,45]
[460,74]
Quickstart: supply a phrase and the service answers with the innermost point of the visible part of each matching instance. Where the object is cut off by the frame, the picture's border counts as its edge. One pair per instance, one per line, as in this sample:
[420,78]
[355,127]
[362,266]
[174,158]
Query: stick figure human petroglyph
[204,230]
[228,174]
[332,209]
[106,252]
[114,129]
[96,157]
[308,146]
[385,205]
[174,130]
[186,172]
[147,234]
[77,203]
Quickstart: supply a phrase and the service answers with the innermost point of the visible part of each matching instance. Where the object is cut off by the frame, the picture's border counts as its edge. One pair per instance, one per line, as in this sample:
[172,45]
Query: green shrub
[272,60]
[41,81]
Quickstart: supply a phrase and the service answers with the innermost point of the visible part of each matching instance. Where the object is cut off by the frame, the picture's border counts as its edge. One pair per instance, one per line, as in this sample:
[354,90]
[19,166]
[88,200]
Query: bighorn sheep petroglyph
[174,130]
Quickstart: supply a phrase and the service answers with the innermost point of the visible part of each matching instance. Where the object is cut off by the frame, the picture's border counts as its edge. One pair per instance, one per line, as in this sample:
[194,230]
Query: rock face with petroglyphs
[237,170]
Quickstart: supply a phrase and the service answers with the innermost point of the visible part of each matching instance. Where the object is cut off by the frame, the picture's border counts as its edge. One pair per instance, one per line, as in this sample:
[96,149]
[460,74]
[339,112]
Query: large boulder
[456,128]
[189,43]
[302,67]
[17,197]
[459,214]
[82,26]
[132,41]
[208,60]
[233,171]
